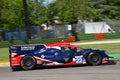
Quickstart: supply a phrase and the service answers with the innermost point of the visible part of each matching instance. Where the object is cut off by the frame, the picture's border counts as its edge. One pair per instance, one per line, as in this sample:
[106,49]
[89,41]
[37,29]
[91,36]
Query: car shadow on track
[111,62]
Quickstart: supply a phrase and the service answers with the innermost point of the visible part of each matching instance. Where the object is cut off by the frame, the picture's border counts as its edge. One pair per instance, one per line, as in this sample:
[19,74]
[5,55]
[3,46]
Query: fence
[115,25]
[55,31]
[60,31]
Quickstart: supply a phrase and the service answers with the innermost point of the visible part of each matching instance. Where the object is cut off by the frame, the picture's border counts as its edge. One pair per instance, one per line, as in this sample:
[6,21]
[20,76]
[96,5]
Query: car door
[67,54]
[53,55]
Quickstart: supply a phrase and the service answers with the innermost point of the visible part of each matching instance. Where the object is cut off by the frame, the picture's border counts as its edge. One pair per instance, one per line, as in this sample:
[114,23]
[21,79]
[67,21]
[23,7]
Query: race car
[28,57]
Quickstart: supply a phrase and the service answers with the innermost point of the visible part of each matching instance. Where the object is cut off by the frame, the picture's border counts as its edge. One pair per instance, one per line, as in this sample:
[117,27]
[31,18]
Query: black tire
[28,63]
[94,58]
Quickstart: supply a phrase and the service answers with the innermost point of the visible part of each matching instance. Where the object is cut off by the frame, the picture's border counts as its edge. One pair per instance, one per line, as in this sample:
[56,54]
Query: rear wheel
[94,58]
[28,63]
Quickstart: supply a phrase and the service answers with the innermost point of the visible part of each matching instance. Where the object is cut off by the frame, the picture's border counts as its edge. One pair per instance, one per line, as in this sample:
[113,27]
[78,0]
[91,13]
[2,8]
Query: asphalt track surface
[102,72]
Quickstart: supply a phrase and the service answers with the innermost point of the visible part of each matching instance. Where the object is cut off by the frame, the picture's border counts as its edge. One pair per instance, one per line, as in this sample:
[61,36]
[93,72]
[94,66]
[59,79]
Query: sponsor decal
[24,48]
[42,56]
[13,47]
[42,50]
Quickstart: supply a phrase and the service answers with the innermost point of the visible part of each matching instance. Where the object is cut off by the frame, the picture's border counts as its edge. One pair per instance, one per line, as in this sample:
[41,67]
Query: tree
[27,21]
[69,11]
[10,15]
[109,9]
[38,12]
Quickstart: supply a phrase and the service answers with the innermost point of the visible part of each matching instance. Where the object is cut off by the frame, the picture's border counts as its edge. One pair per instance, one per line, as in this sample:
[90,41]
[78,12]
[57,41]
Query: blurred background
[41,21]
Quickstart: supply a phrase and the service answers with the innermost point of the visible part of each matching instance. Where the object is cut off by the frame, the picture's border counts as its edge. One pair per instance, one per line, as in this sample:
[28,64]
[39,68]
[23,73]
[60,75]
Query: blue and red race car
[62,53]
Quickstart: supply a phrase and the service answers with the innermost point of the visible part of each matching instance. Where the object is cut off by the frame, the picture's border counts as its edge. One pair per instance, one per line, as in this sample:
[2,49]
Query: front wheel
[28,63]
[94,58]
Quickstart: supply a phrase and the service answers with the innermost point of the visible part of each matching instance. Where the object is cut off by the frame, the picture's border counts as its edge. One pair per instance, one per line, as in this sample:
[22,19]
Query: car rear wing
[24,49]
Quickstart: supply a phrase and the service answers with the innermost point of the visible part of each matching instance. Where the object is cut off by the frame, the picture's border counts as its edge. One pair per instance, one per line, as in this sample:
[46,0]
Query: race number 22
[79,59]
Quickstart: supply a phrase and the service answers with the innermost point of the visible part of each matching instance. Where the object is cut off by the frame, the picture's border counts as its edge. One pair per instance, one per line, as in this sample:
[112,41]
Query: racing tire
[28,63]
[94,58]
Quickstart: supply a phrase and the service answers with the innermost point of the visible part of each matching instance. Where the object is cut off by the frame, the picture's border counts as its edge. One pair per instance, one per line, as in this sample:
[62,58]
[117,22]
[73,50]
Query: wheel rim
[95,58]
[28,63]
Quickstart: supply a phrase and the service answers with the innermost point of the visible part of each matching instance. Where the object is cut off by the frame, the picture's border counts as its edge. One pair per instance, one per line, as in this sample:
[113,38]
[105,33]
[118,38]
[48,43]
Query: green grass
[110,48]
[4,54]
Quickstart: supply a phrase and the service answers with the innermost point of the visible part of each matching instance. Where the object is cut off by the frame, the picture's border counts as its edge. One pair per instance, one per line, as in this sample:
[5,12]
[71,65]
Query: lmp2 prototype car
[62,53]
